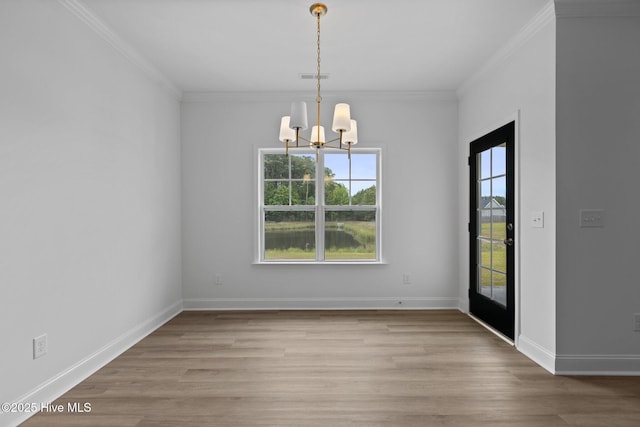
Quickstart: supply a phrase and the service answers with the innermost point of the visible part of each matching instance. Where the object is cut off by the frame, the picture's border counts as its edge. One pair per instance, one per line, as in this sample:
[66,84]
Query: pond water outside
[305,239]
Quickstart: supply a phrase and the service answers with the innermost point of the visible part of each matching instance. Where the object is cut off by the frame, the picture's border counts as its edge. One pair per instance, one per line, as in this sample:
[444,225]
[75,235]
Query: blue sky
[493,162]
[363,166]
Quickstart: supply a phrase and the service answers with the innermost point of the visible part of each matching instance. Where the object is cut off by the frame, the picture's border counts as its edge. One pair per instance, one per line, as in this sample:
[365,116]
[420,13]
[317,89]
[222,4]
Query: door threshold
[492,330]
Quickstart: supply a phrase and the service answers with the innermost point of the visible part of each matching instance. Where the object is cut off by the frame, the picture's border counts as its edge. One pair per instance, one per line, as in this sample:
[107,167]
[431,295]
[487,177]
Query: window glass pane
[303,192]
[303,166]
[336,192]
[363,193]
[276,166]
[499,161]
[276,193]
[350,235]
[363,166]
[289,236]
[336,166]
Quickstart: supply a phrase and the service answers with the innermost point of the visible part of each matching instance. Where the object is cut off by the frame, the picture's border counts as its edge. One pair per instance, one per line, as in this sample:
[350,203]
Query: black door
[492,229]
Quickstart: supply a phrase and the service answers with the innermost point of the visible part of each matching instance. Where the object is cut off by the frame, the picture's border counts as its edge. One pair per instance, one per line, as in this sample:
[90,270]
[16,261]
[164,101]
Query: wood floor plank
[338,368]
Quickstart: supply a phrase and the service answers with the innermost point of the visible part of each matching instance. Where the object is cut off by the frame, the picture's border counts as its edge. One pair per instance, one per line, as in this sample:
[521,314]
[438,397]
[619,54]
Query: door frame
[514,117]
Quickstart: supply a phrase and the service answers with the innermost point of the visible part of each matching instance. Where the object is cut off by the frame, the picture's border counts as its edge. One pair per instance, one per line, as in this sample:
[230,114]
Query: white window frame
[319,208]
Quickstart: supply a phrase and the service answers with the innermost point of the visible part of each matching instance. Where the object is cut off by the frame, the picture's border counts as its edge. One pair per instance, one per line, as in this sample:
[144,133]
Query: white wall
[598,147]
[89,199]
[520,80]
[221,134]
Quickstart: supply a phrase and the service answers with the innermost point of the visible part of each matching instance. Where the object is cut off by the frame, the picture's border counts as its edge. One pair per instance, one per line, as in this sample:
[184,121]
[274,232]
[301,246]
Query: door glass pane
[484,164]
[485,194]
[350,235]
[484,246]
[499,160]
[499,190]
[498,227]
[500,288]
[499,256]
[289,235]
[484,282]
[484,197]
[492,252]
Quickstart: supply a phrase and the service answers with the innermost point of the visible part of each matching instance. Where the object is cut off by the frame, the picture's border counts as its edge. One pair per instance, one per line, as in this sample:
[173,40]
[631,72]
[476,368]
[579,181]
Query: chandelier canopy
[343,125]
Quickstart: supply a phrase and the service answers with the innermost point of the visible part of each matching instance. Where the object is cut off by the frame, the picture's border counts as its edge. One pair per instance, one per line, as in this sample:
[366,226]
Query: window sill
[320,263]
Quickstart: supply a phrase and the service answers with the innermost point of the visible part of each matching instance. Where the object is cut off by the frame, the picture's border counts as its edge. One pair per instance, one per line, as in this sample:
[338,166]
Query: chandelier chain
[319,98]
[318,67]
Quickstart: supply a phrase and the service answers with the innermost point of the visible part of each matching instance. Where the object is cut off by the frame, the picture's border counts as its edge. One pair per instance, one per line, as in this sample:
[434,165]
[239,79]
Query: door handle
[508,242]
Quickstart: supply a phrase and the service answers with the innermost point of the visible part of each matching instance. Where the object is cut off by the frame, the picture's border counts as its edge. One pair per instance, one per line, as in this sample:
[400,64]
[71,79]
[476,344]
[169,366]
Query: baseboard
[463,305]
[598,364]
[64,381]
[384,303]
[537,353]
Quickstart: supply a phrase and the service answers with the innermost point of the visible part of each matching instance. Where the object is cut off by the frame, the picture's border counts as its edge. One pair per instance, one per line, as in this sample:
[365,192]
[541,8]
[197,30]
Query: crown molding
[82,12]
[546,15]
[288,96]
[597,8]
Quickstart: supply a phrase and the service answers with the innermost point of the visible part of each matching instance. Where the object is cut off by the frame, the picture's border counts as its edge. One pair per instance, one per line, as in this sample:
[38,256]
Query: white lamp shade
[341,118]
[351,136]
[314,134]
[298,115]
[286,133]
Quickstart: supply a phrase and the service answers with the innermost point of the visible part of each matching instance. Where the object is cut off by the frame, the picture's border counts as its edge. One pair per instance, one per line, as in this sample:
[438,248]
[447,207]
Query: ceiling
[264,45]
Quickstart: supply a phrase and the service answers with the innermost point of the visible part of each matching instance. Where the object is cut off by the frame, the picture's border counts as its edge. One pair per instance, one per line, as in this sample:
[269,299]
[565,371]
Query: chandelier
[343,125]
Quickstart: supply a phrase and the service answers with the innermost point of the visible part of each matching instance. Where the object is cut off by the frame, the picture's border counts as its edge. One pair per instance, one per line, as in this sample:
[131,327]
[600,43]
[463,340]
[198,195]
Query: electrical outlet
[592,218]
[636,322]
[406,279]
[40,346]
[218,280]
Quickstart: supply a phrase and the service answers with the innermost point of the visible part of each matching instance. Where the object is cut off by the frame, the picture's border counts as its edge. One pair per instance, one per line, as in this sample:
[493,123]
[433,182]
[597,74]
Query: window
[319,210]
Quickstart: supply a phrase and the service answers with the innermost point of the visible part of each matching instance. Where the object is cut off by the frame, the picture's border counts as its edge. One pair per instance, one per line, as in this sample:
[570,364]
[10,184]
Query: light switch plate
[591,218]
[537,219]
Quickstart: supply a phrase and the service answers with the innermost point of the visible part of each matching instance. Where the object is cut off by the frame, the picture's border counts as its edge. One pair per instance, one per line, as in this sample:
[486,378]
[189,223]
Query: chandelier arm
[334,140]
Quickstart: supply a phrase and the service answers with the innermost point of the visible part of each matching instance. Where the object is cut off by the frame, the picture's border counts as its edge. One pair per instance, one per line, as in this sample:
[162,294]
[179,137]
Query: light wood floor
[353,368]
